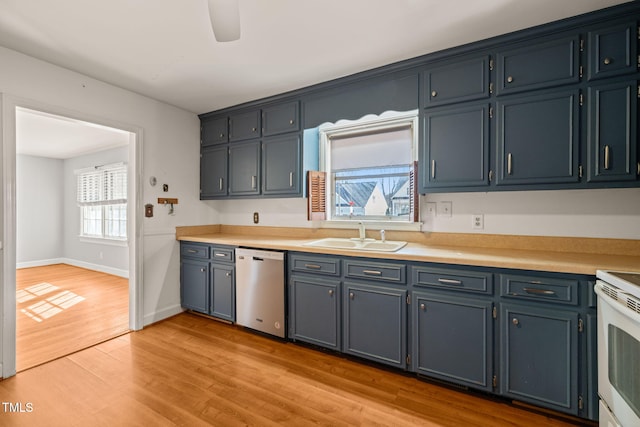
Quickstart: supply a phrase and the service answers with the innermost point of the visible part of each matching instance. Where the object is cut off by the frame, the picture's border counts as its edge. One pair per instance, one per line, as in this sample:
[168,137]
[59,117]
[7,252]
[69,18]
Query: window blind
[103,185]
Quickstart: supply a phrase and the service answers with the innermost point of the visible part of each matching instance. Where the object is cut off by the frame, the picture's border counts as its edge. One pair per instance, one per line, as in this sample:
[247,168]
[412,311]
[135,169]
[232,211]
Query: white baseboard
[165,313]
[89,266]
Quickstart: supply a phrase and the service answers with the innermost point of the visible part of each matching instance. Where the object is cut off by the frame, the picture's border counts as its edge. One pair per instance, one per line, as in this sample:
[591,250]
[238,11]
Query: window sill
[103,241]
[370,225]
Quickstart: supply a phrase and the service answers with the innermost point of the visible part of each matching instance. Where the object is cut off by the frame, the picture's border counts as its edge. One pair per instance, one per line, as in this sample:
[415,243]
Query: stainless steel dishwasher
[260,290]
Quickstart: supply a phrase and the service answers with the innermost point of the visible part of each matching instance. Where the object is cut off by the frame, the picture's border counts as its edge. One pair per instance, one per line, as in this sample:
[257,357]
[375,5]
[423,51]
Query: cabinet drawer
[193,250]
[220,254]
[543,289]
[455,280]
[538,65]
[612,51]
[316,265]
[395,273]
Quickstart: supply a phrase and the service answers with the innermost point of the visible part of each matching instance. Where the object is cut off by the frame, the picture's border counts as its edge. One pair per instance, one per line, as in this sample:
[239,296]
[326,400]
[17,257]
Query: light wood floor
[192,371]
[61,309]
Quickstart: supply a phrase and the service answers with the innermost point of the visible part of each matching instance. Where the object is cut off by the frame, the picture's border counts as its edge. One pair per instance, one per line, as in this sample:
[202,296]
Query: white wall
[610,213]
[40,209]
[94,254]
[170,152]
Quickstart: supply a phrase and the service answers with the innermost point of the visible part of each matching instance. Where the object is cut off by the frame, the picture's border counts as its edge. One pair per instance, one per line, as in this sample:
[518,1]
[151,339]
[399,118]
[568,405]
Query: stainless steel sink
[357,244]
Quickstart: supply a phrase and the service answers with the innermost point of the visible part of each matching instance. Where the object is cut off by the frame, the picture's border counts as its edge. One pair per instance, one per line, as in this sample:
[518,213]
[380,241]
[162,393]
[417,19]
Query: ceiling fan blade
[225,19]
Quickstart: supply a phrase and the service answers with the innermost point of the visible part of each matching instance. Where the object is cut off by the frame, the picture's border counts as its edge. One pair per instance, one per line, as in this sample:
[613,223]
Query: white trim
[9,103]
[165,313]
[76,263]
[371,225]
[104,241]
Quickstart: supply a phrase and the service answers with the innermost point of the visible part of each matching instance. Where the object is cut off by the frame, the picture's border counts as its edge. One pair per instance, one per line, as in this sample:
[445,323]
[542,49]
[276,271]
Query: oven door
[618,356]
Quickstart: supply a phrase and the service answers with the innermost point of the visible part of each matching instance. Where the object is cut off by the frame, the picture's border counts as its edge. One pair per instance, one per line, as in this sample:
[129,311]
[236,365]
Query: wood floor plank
[192,371]
[61,309]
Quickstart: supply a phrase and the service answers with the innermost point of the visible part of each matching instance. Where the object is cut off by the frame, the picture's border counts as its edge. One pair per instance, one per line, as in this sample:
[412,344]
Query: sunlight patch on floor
[53,305]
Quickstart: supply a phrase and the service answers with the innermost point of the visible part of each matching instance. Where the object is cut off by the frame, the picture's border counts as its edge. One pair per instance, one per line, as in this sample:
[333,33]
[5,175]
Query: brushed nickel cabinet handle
[192,251]
[204,270]
[312,266]
[330,292]
[422,307]
[372,272]
[607,156]
[510,79]
[607,61]
[515,321]
[220,183]
[434,93]
[450,281]
[253,181]
[290,179]
[218,254]
[351,295]
[228,274]
[537,291]
[433,169]
[291,121]
[509,164]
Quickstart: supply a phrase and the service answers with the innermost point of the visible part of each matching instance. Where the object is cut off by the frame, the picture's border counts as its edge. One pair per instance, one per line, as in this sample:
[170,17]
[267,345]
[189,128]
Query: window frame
[387,121]
[102,201]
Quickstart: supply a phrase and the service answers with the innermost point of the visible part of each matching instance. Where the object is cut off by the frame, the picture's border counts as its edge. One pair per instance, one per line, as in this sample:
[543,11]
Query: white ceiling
[165,49]
[47,135]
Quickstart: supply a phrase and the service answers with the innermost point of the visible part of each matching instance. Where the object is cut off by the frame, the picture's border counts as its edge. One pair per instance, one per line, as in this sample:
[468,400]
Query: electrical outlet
[431,209]
[444,209]
[477,221]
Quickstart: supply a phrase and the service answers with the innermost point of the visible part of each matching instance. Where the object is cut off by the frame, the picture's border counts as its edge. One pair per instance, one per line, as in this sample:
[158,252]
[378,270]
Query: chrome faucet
[361,230]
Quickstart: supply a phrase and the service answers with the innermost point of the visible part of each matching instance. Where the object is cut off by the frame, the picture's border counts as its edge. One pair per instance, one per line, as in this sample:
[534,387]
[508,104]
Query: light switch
[444,209]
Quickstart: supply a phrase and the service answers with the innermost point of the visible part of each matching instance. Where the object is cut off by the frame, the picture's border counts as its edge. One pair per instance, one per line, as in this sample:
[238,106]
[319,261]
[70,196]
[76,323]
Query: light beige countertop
[554,254]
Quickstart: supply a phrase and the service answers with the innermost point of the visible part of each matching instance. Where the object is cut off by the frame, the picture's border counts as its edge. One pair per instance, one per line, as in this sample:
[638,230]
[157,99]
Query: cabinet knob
[515,321]
[434,93]
[510,79]
[351,295]
[228,274]
[222,135]
[422,307]
[253,129]
[203,270]
[291,121]
[607,61]
[330,292]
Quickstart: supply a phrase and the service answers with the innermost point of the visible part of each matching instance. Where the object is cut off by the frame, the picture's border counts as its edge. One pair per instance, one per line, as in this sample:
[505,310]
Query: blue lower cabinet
[539,356]
[453,339]
[194,289]
[375,323]
[314,311]
[223,298]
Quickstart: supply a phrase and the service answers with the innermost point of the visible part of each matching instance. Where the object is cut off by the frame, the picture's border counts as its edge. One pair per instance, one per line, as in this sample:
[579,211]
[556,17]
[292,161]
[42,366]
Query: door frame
[8,219]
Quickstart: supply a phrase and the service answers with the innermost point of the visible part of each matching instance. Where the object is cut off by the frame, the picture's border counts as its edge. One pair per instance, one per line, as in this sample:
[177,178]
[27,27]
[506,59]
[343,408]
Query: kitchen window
[370,169]
[102,198]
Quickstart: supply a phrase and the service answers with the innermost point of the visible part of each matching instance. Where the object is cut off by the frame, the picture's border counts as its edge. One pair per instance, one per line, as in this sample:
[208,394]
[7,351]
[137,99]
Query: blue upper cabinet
[454,149]
[612,132]
[537,138]
[214,131]
[281,118]
[538,64]
[613,50]
[244,126]
[462,80]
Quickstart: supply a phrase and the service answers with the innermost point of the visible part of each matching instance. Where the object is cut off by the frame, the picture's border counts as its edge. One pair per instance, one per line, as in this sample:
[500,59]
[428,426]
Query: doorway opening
[76,272]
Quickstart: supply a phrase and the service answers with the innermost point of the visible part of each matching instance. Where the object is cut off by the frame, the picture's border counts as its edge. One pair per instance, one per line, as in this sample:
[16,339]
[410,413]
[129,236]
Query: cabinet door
[213,131]
[539,356]
[281,165]
[453,339]
[612,50]
[455,150]
[194,285]
[244,168]
[314,306]
[375,323]
[223,297]
[281,118]
[460,81]
[538,64]
[612,136]
[244,126]
[213,172]
[537,139]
